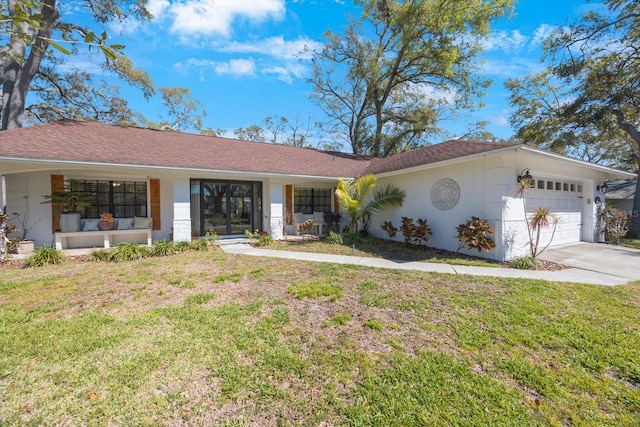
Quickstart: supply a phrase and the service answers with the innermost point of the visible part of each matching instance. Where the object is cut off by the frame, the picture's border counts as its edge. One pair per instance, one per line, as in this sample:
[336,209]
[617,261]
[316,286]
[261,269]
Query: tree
[75,96]
[593,72]
[354,199]
[388,80]
[185,114]
[541,120]
[28,31]
[251,133]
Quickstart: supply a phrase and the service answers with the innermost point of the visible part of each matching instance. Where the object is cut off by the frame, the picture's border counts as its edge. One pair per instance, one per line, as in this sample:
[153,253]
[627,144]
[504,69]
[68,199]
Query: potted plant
[69,203]
[24,246]
[106,221]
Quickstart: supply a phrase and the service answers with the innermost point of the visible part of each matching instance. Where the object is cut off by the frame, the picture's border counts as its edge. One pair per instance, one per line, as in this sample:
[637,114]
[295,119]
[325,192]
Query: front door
[225,207]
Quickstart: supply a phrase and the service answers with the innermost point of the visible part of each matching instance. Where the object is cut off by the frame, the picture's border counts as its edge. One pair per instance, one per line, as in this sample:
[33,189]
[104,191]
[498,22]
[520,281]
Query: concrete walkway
[573,275]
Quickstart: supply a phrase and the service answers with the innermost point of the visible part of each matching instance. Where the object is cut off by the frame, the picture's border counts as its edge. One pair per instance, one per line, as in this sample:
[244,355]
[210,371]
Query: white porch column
[181,211]
[277,211]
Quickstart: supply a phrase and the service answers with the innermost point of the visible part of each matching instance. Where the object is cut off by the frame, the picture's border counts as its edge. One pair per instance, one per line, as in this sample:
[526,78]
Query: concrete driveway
[598,257]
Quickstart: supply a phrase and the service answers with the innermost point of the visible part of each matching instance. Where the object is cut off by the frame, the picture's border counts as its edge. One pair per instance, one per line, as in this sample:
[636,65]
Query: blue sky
[241,59]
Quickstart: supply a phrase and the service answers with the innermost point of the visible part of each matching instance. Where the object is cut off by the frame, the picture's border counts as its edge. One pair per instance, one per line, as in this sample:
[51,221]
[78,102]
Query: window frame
[319,202]
[105,196]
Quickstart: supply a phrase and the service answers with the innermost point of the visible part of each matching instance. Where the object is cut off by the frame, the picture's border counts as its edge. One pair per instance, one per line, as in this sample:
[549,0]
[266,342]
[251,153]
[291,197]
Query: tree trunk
[17,77]
[634,133]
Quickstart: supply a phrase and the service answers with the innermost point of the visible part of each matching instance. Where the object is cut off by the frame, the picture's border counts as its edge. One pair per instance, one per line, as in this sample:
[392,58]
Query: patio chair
[318,220]
[298,220]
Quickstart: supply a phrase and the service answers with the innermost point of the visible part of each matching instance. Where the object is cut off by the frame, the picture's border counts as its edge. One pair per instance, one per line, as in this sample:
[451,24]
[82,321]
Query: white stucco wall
[488,189]
[34,185]
[479,185]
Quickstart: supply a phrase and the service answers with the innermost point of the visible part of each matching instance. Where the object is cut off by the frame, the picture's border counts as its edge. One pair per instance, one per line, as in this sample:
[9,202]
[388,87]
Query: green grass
[379,248]
[633,243]
[296,343]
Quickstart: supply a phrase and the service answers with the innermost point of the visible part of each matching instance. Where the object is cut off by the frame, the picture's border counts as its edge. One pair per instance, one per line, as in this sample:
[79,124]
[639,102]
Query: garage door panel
[567,206]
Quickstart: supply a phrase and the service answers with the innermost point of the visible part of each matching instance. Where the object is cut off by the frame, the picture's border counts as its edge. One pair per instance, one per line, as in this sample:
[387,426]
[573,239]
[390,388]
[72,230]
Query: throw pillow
[125,223]
[141,222]
[91,225]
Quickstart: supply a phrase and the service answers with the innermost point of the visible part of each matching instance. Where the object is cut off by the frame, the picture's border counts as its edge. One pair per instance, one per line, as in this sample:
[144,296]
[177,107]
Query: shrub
[163,248]
[128,252]
[199,245]
[335,238]
[474,234]
[415,233]
[45,255]
[612,222]
[264,240]
[388,228]
[101,255]
[182,246]
[525,263]
[211,236]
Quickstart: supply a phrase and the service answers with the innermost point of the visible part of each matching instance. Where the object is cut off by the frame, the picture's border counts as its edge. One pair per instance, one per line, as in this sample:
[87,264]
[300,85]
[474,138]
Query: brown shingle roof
[94,142]
[100,143]
[447,150]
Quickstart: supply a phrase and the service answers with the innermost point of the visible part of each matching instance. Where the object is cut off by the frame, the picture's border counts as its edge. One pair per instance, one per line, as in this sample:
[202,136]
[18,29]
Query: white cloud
[157,8]
[276,47]
[233,67]
[542,32]
[507,41]
[287,72]
[207,17]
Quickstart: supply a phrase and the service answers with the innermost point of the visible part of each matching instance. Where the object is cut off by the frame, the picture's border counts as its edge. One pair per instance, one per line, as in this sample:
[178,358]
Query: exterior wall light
[524,174]
[602,187]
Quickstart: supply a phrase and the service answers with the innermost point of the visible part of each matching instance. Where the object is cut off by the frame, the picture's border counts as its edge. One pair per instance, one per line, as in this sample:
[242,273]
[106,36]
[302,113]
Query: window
[540,184]
[310,200]
[549,185]
[565,187]
[123,199]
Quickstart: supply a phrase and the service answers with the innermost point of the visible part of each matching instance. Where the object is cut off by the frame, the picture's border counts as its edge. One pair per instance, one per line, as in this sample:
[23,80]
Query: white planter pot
[25,247]
[70,222]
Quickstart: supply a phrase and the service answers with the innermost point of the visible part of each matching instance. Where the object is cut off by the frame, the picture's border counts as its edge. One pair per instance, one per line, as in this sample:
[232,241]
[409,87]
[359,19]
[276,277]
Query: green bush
[416,233]
[101,255]
[128,252]
[182,246]
[525,263]
[199,245]
[612,222]
[388,228]
[474,234]
[335,238]
[163,248]
[44,255]
[264,240]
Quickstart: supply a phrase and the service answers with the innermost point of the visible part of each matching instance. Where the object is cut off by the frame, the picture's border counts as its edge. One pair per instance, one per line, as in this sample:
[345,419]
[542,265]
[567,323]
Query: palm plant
[541,218]
[358,199]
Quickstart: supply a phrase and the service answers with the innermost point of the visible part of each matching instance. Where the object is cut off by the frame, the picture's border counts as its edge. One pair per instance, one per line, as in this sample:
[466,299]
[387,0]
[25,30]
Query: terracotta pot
[104,225]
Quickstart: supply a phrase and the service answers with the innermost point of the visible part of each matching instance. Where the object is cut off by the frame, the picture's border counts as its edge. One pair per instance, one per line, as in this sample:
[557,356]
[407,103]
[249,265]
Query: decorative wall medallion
[445,194]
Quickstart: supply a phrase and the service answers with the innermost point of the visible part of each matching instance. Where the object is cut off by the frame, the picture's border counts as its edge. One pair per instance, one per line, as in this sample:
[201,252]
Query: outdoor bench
[88,237]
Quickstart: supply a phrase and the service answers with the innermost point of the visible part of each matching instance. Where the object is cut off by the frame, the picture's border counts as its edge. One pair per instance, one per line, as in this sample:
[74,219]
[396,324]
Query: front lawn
[207,338]
[379,248]
[633,243]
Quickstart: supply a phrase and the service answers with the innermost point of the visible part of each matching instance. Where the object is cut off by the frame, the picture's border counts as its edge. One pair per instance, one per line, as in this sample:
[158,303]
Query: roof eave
[58,163]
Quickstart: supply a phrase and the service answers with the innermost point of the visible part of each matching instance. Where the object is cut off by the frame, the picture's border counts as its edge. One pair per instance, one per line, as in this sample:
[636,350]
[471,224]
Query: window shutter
[57,184]
[288,204]
[154,194]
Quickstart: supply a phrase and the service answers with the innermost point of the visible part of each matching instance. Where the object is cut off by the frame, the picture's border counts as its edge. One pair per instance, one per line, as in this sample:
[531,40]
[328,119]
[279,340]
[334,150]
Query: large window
[123,199]
[310,200]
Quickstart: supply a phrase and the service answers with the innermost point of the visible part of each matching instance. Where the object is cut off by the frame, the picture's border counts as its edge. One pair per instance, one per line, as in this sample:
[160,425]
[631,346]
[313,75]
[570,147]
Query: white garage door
[564,199]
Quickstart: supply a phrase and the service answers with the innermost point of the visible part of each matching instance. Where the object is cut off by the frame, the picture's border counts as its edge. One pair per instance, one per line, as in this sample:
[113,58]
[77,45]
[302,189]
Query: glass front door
[225,207]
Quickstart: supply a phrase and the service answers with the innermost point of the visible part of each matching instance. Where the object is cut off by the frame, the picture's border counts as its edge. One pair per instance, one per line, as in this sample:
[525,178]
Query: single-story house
[190,184]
